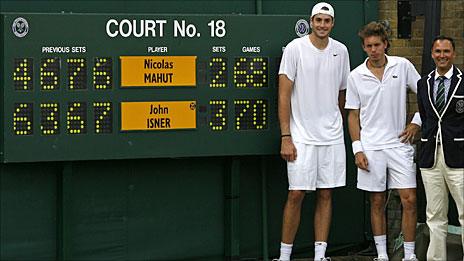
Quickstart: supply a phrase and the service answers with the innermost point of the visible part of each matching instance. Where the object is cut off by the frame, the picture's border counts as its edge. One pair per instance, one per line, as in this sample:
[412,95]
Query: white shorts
[317,166]
[399,162]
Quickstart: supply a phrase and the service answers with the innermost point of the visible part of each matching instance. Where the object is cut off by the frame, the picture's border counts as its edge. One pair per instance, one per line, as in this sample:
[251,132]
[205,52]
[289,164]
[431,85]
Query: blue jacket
[450,123]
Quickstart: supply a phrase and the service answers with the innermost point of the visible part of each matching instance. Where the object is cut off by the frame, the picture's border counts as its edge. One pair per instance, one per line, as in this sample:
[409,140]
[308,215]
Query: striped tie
[440,100]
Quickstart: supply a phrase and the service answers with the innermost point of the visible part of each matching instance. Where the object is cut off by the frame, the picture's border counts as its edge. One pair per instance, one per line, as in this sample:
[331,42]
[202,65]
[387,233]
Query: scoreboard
[104,86]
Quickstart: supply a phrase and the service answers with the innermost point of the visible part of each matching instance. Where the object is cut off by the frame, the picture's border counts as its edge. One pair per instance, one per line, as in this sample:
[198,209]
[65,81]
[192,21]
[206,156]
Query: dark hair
[442,37]
[375,29]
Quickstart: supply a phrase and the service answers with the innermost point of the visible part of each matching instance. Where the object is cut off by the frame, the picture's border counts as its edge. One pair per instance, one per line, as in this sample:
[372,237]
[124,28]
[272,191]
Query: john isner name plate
[165,115]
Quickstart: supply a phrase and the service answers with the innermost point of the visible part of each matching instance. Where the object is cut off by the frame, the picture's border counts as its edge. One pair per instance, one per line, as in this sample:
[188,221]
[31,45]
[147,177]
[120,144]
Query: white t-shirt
[382,104]
[317,76]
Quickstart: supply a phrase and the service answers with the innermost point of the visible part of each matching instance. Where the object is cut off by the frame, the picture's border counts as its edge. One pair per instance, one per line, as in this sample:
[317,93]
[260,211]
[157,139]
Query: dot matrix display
[77,73]
[22,119]
[76,118]
[49,118]
[49,73]
[22,74]
[251,72]
[218,72]
[250,114]
[103,112]
[218,115]
[103,73]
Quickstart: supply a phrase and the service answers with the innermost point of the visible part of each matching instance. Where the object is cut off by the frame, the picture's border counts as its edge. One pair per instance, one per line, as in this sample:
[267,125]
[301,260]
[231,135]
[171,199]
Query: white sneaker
[413,258]
[381,258]
[325,259]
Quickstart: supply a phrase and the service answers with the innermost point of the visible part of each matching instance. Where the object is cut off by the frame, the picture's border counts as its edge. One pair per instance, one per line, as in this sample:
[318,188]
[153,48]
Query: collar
[391,61]
[447,75]
[328,47]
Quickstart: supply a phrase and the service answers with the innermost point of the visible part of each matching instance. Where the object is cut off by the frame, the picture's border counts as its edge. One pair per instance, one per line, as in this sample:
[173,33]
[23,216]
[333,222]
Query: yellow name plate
[166,115]
[144,71]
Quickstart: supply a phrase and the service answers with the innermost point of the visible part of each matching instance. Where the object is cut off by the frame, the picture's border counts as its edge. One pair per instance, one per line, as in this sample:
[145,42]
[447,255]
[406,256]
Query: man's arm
[287,148]
[355,133]
[344,84]
[407,136]
[420,103]
[341,103]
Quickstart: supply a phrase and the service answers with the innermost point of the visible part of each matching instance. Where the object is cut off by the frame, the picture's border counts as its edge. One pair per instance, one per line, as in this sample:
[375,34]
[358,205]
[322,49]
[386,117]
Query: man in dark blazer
[441,105]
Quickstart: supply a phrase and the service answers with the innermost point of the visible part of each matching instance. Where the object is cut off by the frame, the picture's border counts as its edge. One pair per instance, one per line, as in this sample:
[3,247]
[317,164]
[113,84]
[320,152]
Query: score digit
[218,72]
[103,112]
[22,74]
[49,118]
[218,110]
[49,73]
[103,73]
[77,117]
[22,118]
[77,73]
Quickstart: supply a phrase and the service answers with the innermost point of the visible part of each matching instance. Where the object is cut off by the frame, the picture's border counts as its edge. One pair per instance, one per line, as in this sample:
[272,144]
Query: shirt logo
[460,106]
[335,54]
[395,76]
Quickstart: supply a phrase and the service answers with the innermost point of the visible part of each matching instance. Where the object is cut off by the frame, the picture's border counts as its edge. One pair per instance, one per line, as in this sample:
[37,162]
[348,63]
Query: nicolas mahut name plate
[146,71]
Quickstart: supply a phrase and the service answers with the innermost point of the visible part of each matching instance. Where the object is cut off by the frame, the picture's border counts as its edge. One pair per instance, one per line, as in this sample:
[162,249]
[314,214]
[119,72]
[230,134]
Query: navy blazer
[450,123]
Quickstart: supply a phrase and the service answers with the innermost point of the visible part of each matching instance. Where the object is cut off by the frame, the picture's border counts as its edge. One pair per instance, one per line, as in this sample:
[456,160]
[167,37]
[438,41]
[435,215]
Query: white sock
[381,245]
[409,250]
[285,251]
[319,250]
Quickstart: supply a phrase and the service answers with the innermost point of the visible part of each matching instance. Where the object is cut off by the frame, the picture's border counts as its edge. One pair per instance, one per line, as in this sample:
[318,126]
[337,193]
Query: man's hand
[407,136]
[360,160]
[287,149]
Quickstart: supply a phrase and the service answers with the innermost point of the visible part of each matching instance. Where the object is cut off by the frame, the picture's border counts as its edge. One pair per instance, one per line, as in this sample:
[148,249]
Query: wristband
[417,119]
[357,146]
[285,135]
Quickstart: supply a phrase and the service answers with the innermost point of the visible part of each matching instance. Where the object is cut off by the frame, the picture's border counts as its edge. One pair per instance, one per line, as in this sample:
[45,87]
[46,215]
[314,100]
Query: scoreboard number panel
[218,72]
[77,73]
[76,118]
[218,117]
[103,117]
[22,74]
[50,73]
[23,118]
[128,86]
[103,73]
[50,118]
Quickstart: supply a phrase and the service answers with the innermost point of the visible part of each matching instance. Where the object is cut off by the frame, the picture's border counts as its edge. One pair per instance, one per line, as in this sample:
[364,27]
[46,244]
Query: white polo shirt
[382,104]
[318,76]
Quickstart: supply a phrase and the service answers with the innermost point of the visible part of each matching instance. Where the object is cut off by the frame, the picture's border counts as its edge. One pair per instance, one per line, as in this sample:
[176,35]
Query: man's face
[443,54]
[374,47]
[322,25]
